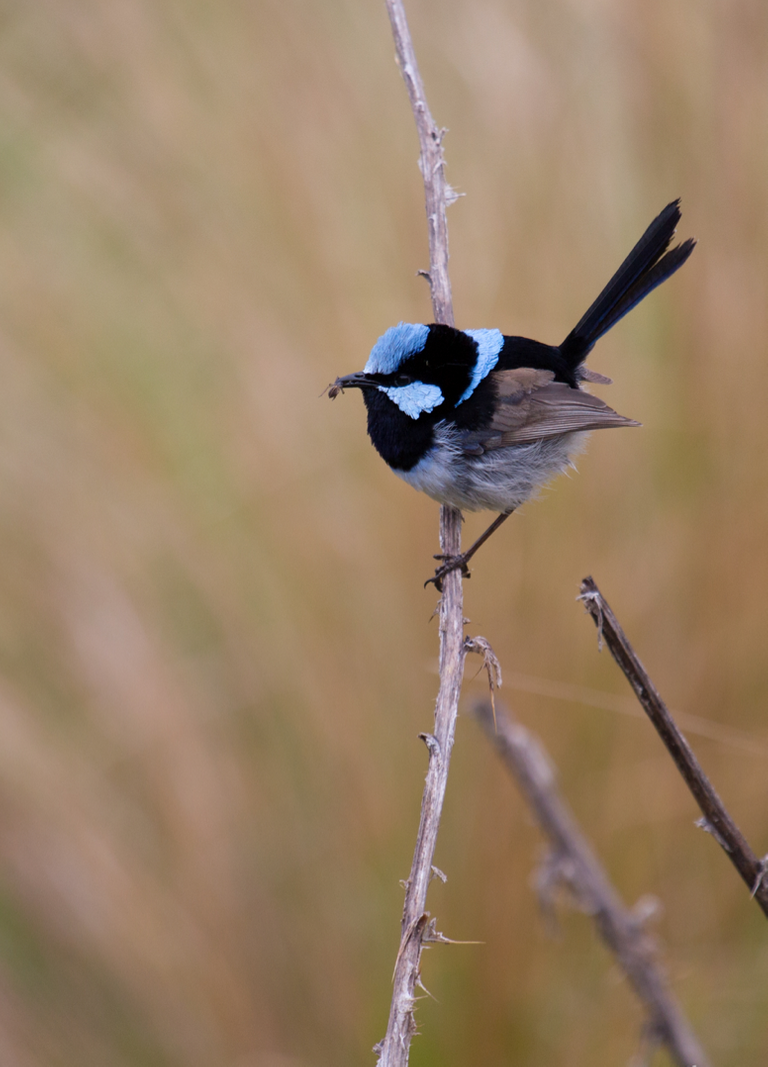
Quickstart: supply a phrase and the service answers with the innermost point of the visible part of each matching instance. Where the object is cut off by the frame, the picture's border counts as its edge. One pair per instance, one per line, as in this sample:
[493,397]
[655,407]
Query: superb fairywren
[479,420]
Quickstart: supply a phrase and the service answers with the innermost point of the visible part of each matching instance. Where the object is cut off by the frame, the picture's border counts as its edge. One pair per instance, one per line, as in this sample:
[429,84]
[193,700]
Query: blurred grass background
[216,649]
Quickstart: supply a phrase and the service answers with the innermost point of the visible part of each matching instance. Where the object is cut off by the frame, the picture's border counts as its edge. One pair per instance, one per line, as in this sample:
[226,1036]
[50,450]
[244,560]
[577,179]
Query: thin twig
[575,864]
[437,193]
[416,926]
[716,819]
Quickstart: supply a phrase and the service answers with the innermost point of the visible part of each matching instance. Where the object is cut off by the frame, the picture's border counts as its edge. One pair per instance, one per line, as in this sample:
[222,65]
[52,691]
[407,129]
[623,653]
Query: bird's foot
[450,563]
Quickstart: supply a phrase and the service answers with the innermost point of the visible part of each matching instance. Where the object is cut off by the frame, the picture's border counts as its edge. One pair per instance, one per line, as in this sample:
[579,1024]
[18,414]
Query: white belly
[498,480]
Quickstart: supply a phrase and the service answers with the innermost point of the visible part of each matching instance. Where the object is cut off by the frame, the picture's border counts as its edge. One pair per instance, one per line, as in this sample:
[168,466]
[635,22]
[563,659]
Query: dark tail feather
[645,267]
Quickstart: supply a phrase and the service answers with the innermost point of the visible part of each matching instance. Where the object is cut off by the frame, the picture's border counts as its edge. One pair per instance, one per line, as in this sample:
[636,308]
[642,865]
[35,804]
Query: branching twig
[716,819]
[619,928]
[394,1049]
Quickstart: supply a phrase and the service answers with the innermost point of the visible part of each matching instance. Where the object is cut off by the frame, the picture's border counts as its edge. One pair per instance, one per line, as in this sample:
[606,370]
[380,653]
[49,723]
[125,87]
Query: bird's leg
[451,563]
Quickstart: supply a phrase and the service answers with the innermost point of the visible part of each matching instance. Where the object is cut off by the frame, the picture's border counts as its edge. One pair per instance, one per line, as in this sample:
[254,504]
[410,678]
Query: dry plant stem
[716,819]
[416,927]
[619,928]
[437,193]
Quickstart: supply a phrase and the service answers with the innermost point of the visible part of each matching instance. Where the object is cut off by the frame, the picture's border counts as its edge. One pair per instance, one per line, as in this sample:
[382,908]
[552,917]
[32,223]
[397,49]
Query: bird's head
[421,368]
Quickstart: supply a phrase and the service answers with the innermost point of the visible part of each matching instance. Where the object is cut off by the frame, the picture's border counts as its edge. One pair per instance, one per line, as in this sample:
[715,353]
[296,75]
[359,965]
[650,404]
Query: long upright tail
[645,267]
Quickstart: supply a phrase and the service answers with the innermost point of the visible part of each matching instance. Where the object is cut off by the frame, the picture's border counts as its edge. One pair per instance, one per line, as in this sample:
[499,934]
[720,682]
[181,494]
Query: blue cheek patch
[414,399]
[489,344]
[397,344]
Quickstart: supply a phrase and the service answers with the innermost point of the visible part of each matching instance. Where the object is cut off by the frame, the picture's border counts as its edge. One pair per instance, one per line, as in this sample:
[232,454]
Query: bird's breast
[497,480]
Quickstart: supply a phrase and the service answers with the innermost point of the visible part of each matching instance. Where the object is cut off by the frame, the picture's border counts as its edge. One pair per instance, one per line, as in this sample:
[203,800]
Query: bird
[479,420]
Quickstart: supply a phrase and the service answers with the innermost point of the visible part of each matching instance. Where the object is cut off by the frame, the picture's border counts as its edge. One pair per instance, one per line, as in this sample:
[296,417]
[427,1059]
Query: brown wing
[588,375]
[531,406]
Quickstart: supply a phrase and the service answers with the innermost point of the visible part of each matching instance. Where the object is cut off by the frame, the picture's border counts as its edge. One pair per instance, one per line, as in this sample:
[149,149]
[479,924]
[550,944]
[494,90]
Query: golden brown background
[216,649]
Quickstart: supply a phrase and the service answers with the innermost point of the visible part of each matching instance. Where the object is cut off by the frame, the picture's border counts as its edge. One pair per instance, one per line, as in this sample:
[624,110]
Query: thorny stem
[416,926]
[717,820]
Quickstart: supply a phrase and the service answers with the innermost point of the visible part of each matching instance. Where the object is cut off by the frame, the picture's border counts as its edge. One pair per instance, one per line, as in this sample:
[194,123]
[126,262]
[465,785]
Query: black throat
[400,440]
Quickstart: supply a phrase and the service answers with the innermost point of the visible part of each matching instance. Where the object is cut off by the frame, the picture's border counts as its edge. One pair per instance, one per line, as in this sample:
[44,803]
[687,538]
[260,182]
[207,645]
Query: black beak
[361,380]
